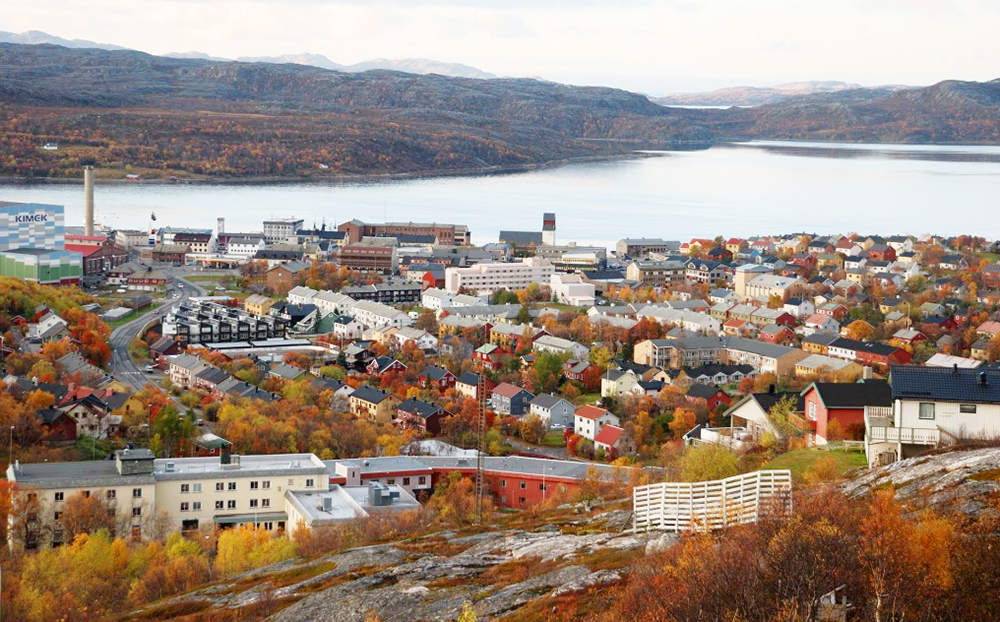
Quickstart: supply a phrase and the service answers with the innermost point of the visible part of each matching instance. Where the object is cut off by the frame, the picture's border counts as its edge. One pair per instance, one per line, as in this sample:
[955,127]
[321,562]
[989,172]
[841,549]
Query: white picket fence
[715,504]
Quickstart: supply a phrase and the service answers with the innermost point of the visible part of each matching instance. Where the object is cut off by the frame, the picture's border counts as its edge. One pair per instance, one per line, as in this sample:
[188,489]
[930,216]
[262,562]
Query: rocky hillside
[509,574]
[961,482]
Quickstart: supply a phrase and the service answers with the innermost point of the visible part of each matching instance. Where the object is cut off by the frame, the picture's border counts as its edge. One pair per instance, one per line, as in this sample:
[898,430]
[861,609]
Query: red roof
[84,249]
[507,390]
[609,435]
[86,238]
[591,412]
[734,323]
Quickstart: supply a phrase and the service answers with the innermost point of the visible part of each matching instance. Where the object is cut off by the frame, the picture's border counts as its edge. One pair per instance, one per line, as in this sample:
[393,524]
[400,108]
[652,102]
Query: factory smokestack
[88,191]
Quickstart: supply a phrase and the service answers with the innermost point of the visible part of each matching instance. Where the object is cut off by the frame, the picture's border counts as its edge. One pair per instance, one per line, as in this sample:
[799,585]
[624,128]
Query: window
[967,409]
[253,503]
[391,480]
[219,505]
[503,483]
[59,496]
[136,511]
[231,486]
[137,493]
[185,506]
[219,487]
[291,482]
[196,506]
[311,482]
[926,410]
[269,526]
[265,503]
[524,485]
[254,485]
[86,494]
[521,500]
[185,488]
[57,515]
[422,479]
[196,487]
[542,487]
[266,484]
[111,494]
[231,504]
[812,410]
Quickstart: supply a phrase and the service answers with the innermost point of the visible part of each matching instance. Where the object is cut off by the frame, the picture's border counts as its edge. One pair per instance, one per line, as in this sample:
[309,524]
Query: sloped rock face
[432,587]
[957,481]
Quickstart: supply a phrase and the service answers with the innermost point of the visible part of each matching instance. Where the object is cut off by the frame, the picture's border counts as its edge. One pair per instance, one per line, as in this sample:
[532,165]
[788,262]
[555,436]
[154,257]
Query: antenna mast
[480,446]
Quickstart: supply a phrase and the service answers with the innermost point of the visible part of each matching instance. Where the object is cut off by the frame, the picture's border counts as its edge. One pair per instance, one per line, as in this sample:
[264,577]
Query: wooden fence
[715,504]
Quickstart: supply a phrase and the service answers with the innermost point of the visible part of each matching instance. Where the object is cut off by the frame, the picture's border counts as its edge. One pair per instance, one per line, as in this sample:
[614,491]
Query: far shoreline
[335,180]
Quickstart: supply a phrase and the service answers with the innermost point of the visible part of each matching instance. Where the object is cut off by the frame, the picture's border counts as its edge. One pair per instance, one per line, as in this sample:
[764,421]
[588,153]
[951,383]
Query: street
[122,366]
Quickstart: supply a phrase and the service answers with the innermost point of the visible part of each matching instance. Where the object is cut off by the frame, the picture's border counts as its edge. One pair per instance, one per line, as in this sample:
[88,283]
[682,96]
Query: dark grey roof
[701,391]
[854,395]
[768,400]
[98,473]
[546,400]
[434,373]
[370,394]
[945,384]
[521,237]
[213,375]
[469,378]
[420,408]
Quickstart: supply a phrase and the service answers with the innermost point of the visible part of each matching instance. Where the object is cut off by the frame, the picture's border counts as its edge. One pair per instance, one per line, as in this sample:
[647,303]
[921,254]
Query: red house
[844,403]
[776,333]
[384,364]
[437,377]
[488,356]
[882,252]
[881,355]
[834,309]
[57,425]
[713,396]
[420,415]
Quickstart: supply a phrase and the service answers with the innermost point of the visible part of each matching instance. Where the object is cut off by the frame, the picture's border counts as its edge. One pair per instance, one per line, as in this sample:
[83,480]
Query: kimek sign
[20,218]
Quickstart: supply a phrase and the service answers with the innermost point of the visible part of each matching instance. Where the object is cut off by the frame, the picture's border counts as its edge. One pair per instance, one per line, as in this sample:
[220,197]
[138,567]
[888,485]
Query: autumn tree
[708,461]
[859,330]
[244,548]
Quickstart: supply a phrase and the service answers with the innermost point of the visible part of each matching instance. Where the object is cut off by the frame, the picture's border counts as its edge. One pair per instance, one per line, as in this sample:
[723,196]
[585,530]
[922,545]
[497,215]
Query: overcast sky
[653,46]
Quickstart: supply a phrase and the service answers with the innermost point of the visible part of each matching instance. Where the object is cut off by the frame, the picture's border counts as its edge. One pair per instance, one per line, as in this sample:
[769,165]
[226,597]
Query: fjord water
[732,190]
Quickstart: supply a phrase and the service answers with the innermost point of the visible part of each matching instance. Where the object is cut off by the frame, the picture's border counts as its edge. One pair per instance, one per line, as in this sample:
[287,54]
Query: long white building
[487,278]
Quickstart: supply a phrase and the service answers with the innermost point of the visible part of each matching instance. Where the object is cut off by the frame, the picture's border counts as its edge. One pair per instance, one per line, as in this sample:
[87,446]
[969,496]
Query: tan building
[370,403]
[258,304]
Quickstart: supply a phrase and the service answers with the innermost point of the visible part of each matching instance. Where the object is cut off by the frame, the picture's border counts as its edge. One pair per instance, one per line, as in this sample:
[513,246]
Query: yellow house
[258,304]
[371,403]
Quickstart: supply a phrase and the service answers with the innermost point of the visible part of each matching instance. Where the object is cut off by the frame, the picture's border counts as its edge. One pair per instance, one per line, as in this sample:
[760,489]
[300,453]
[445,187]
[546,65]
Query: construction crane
[480,447]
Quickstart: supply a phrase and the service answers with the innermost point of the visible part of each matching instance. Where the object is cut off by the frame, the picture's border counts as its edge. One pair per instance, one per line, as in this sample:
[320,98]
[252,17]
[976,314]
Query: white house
[616,382]
[346,327]
[554,411]
[486,278]
[378,315]
[246,246]
[571,289]
[328,302]
[420,338]
[589,419]
[799,307]
[301,295]
[932,406]
[548,343]
[436,299]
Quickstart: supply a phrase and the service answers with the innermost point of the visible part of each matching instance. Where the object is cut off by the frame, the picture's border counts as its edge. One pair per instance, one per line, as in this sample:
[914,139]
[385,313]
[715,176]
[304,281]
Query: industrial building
[32,244]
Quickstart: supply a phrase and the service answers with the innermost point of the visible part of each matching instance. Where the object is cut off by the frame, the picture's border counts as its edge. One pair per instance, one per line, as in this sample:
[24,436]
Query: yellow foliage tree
[245,548]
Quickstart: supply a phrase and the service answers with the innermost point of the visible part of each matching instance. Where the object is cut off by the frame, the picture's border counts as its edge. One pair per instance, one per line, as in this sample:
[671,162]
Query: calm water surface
[737,190]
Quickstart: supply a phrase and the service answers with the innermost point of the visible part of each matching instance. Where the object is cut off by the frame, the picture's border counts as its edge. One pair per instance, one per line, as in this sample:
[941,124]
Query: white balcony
[734,438]
[910,436]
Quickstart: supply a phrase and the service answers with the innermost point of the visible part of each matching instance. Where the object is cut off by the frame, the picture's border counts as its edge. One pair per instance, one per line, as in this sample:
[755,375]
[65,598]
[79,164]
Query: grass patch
[286,577]
[553,439]
[985,476]
[588,398]
[516,571]
[612,559]
[213,278]
[436,545]
[173,610]
[801,460]
[132,316]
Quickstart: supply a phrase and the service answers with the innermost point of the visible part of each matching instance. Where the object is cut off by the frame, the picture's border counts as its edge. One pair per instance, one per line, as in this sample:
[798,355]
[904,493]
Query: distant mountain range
[758,96]
[36,36]
[203,118]
[420,66]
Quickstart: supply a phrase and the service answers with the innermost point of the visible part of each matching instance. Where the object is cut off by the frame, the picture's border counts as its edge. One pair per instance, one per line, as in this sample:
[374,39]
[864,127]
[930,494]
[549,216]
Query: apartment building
[193,493]
[385,293]
[656,273]
[279,230]
[378,315]
[641,247]
[206,322]
[488,278]
[766,285]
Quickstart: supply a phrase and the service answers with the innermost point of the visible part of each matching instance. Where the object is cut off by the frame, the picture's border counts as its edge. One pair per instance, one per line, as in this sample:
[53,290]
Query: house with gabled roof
[843,403]
[488,356]
[420,415]
[286,372]
[437,377]
[613,441]
[509,399]
[589,419]
[553,410]
[370,403]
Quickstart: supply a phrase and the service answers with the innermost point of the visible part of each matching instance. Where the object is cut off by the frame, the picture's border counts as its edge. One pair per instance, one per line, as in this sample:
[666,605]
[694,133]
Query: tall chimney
[88,191]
